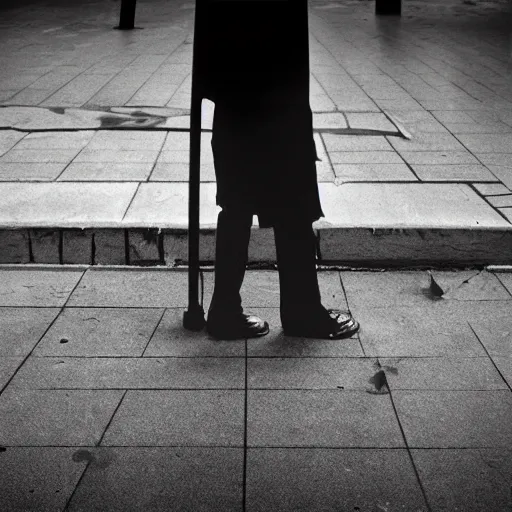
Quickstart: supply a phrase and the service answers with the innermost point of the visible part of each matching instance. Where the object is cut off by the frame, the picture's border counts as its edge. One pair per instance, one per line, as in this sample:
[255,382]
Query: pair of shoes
[236,327]
[339,325]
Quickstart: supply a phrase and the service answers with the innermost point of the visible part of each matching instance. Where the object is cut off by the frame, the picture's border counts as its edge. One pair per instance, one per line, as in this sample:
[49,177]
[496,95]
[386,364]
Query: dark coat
[252,61]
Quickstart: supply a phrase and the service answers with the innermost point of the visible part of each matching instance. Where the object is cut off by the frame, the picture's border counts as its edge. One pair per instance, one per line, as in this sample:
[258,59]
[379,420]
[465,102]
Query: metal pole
[193,318]
[127,16]
[388,7]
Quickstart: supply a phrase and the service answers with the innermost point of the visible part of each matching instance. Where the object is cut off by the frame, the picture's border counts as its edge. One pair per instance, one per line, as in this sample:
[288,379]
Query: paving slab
[411,205]
[111,155]
[504,366]
[470,285]
[89,332]
[441,373]
[453,116]
[428,125]
[491,323]
[174,157]
[169,172]
[166,205]
[499,158]
[40,288]
[458,173]
[506,280]
[427,142]
[491,189]
[38,478]
[8,139]
[327,418]
[503,173]
[134,289]
[403,103]
[323,121]
[8,367]
[504,201]
[128,140]
[487,143]
[365,157]
[438,157]
[372,172]
[383,289]
[130,373]
[335,143]
[39,155]
[55,417]
[178,418]
[183,155]
[452,419]
[459,128]
[319,479]
[309,373]
[79,204]
[415,331]
[471,480]
[31,171]
[57,140]
[22,328]
[151,479]
[321,103]
[171,339]
[371,121]
[105,171]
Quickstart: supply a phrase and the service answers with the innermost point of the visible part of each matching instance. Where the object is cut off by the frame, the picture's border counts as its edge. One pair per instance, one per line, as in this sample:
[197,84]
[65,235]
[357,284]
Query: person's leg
[302,312]
[226,319]
[296,260]
[232,242]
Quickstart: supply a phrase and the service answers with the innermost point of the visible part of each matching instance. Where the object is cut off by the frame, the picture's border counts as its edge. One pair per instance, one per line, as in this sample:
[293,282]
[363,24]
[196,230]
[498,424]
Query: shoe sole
[230,337]
[348,330]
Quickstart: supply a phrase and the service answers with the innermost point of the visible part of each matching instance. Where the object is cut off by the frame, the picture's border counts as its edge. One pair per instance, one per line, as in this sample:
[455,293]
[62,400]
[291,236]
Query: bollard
[387,7]
[127,16]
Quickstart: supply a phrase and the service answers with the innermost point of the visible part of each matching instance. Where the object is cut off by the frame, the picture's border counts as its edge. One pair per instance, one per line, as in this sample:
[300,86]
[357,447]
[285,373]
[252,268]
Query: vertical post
[193,318]
[388,7]
[127,16]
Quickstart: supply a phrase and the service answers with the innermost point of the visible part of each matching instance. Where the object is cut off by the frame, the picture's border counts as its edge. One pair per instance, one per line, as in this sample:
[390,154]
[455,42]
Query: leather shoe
[237,327]
[339,325]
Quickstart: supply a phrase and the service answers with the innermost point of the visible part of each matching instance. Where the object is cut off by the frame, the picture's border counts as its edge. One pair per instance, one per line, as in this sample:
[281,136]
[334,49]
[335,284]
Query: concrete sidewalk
[108,404]
[413,122]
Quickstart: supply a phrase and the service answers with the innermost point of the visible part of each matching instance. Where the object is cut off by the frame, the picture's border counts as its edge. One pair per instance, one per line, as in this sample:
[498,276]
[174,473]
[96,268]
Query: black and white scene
[256,255]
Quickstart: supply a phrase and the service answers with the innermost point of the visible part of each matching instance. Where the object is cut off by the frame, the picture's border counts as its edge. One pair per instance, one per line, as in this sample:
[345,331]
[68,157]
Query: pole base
[193,319]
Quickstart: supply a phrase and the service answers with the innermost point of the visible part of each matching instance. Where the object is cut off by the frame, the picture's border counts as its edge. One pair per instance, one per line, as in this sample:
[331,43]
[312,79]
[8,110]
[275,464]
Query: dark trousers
[296,260]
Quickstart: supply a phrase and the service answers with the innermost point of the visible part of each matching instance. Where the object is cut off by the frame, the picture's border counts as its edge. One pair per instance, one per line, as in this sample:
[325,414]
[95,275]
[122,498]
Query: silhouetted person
[255,67]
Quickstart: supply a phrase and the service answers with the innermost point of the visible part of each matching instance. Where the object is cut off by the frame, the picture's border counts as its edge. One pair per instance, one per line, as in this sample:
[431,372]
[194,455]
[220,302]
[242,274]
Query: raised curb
[356,246]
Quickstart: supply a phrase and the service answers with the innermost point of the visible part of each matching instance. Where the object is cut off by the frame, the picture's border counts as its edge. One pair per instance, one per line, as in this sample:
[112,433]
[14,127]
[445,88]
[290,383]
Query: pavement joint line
[335,59]
[408,448]
[61,308]
[348,304]
[154,330]
[124,215]
[112,418]
[401,128]
[503,378]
